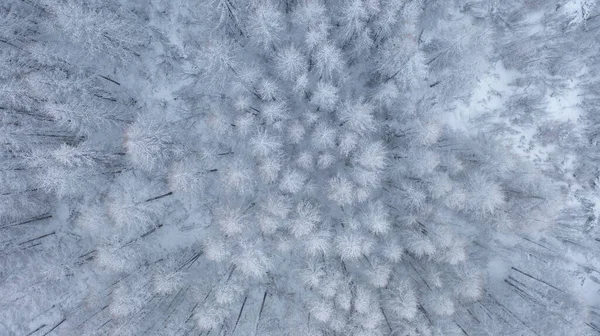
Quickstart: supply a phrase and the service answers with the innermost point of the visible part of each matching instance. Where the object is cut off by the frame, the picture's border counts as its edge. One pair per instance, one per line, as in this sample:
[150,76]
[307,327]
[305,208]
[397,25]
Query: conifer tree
[302,167]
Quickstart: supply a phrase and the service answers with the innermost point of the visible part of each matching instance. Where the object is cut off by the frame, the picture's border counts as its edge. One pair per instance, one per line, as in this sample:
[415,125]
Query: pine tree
[309,167]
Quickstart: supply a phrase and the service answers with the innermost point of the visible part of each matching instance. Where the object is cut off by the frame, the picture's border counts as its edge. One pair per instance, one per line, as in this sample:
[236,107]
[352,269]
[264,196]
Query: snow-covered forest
[300,167]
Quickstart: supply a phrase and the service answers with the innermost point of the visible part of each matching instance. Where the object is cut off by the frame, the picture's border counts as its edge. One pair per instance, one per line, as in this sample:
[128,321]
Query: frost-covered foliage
[301,167]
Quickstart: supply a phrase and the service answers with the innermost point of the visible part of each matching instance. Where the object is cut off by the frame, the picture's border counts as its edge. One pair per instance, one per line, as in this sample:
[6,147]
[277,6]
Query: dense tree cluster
[301,167]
